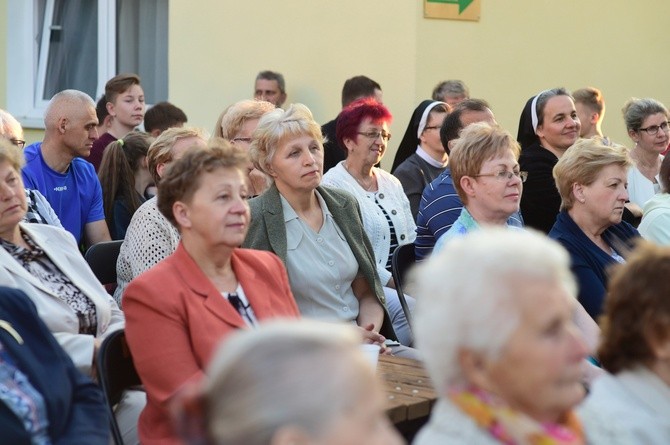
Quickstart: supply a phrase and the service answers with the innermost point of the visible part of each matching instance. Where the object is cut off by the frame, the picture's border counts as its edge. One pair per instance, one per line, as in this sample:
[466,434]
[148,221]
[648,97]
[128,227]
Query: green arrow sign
[462,4]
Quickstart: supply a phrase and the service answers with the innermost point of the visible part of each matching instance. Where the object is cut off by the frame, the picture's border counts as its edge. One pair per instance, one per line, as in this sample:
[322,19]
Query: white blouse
[392,198]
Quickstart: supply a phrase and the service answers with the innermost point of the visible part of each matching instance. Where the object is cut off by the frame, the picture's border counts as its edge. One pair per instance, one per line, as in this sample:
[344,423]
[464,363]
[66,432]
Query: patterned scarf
[514,428]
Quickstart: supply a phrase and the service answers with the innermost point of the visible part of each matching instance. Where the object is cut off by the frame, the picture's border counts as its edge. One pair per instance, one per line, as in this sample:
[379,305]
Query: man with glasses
[440,203]
[39,210]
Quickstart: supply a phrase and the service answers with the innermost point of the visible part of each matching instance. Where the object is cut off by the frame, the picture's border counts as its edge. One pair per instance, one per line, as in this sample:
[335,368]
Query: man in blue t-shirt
[440,204]
[55,168]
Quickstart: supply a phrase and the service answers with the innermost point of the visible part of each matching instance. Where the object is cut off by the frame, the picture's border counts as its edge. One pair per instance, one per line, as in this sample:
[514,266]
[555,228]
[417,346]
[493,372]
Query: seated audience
[421,157]
[124,177]
[655,225]
[45,263]
[452,92]
[162,116]
[387,218]
[499,342]
[237,124]
[591,178]
[647,124]
[548,127]
[45,400]
[150,236]
[635,345]
[178,311]
[440,204]
[484,165]
[124,98]
[314,229]
[327,393]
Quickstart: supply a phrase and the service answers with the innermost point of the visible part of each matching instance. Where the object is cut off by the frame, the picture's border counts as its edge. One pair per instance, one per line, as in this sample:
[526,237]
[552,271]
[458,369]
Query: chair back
[101,257]
[116,373]
[402,260]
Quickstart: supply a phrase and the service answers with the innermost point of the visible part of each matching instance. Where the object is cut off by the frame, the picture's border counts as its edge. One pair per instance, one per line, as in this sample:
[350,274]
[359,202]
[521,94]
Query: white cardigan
[392,197]
[61,247]
[637,400]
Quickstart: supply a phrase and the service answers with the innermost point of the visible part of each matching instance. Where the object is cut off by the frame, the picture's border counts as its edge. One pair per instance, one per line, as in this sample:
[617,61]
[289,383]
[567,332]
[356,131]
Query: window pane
[141,45]
[73,47]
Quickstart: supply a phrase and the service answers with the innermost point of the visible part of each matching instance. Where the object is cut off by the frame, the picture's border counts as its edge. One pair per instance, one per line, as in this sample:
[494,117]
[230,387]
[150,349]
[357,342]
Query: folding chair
[101,257]
[116,373]
[402,260]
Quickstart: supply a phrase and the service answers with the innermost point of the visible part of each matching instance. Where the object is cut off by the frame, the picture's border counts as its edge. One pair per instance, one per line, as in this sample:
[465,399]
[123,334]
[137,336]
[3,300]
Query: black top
[540,201]
[332,152]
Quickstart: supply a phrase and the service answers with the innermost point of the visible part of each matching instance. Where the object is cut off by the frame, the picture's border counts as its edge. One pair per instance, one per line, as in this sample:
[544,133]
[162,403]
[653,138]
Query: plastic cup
[371,352]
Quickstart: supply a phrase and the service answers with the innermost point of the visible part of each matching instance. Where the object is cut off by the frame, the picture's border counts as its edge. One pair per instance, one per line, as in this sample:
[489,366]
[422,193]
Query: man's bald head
[71,124]
[66,104]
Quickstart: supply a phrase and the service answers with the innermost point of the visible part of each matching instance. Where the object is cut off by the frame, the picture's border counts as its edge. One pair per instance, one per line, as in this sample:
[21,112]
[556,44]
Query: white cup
[371,352]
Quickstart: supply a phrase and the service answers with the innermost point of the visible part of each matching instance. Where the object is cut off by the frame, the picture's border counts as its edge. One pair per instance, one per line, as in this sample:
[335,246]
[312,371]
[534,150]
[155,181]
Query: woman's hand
[370,310]
[370,336]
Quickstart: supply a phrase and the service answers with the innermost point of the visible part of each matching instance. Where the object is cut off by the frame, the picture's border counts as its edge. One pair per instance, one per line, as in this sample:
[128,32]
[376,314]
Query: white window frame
[25,75]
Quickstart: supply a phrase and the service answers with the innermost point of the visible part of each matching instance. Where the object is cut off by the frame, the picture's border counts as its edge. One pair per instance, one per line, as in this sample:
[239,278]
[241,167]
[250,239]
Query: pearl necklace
[367,188]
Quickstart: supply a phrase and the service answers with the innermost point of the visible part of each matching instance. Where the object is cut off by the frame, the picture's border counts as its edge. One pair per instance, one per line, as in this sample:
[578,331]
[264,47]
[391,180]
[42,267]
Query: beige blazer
[61,247]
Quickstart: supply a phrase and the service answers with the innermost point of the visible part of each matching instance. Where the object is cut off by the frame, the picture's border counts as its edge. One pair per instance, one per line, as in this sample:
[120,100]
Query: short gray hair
[9,126]
[450,88]
[273,75]
[321,373]
[636,110]
[474,307]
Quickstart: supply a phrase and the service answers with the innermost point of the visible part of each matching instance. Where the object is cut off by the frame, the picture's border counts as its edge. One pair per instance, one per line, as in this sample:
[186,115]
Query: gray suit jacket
[268,232]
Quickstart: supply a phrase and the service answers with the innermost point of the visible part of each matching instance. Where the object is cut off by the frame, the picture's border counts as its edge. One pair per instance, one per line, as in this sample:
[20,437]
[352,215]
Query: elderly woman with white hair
[499,341]
[328,393]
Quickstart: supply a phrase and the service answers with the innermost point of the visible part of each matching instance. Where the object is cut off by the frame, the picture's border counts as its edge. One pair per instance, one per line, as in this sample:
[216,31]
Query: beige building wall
[518,48]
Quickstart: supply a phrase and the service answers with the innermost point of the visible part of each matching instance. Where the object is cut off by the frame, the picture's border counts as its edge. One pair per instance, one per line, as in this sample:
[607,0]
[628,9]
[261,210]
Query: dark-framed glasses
[246,140]
[18,142]
[374,135]
[506,175]
[652,130]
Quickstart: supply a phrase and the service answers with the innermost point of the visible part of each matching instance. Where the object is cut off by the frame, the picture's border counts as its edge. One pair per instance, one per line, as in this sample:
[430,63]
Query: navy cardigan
[589,262]
[75,405]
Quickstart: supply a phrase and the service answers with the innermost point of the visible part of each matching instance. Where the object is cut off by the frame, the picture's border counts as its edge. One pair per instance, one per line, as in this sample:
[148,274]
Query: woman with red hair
[362,128]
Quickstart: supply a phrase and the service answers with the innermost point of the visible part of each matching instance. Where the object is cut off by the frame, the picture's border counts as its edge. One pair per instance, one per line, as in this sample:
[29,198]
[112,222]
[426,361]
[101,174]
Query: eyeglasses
[374,135]
[247,140]
[653,129]
[504,175]
[18,142]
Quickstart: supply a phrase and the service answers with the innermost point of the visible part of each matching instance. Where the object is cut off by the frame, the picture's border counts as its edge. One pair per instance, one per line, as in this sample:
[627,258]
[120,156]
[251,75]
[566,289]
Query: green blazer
[267,231]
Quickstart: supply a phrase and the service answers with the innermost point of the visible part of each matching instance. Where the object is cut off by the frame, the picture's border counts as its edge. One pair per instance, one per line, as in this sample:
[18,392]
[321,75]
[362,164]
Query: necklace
[367,187]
